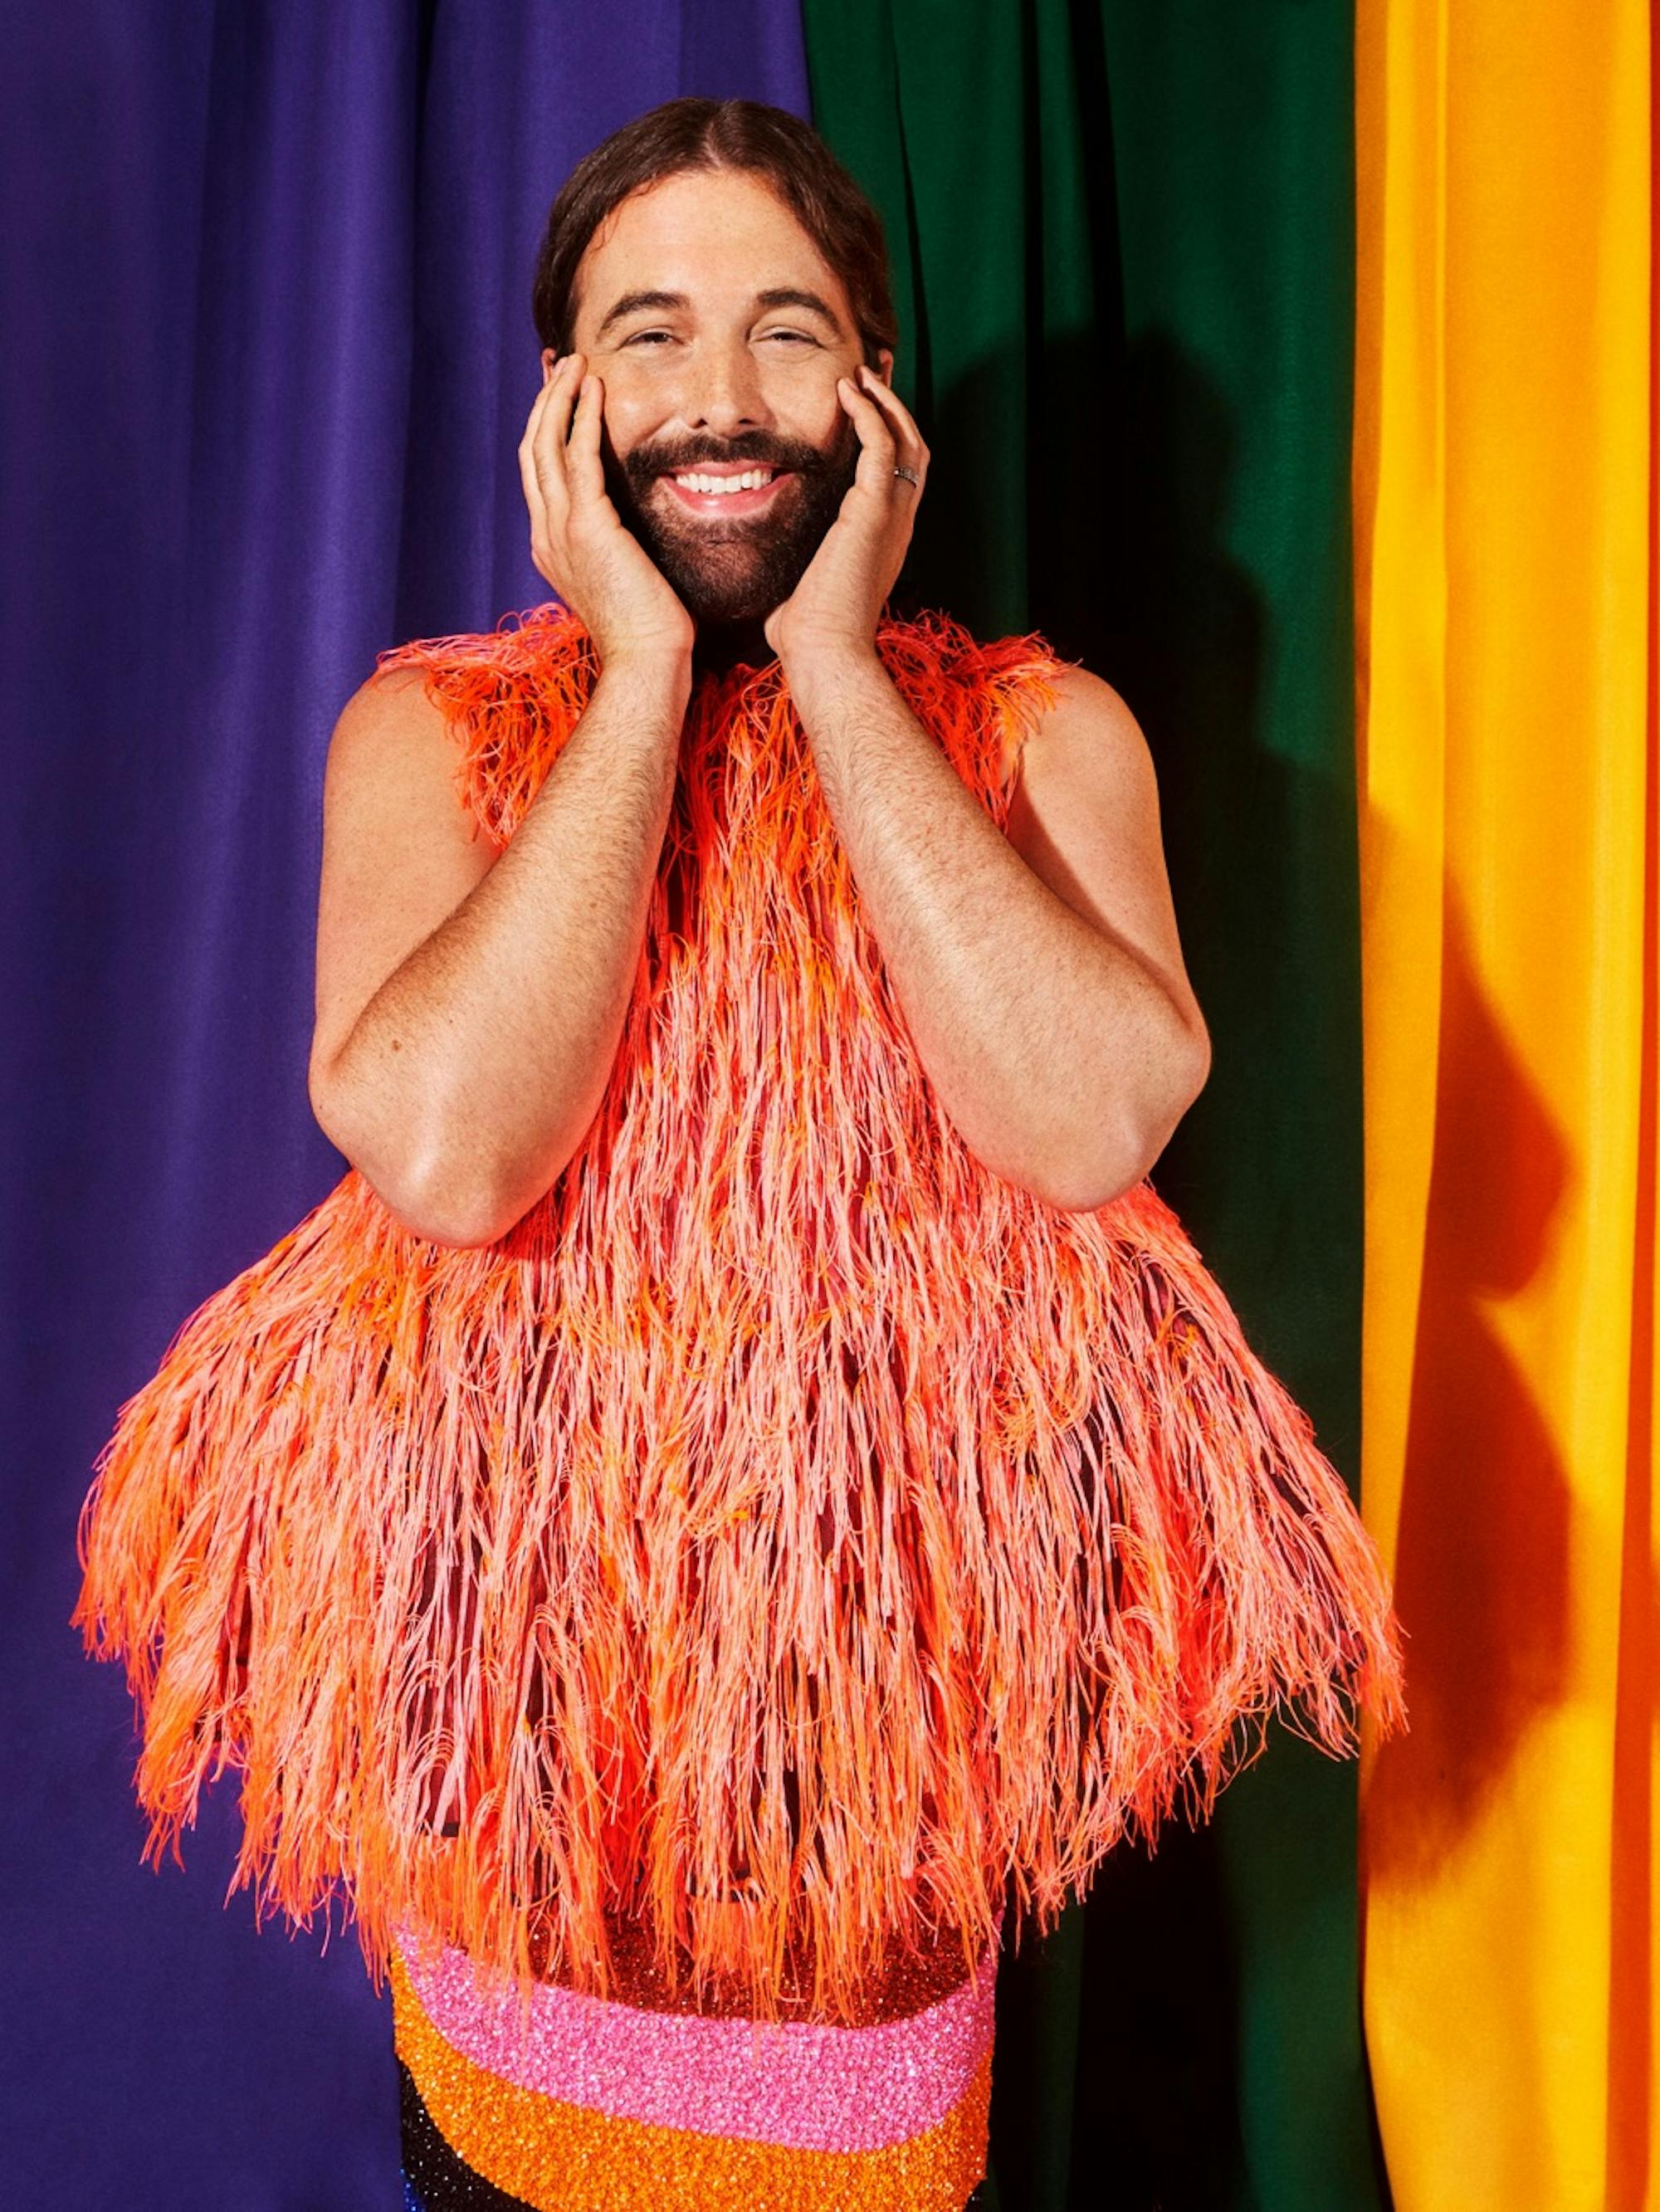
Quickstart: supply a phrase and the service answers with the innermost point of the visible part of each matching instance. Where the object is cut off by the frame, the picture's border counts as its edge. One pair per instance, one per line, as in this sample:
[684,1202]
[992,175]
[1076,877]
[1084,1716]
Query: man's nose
[723,392]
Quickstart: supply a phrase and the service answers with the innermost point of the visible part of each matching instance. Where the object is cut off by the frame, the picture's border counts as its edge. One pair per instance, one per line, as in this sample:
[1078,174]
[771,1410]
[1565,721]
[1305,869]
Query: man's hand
[578,540]
[835,607]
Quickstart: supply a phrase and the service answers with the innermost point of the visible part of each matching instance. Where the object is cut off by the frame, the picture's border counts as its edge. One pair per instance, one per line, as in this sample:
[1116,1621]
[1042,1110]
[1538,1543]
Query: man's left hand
[835,606]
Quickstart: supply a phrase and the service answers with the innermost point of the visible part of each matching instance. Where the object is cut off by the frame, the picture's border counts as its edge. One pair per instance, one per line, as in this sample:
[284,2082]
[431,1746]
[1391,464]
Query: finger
[530,446]
[553,436]
[876,442]
[584,469]
[912,448]
[563,386]
[554,382]
[527,471]
[876,388]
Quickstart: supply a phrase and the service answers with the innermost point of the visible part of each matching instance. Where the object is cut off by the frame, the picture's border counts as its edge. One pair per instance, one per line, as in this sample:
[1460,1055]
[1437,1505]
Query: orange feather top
[791,1532]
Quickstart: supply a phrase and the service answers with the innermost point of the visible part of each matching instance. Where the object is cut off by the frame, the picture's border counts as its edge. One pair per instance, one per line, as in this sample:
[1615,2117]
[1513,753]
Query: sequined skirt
[638,2101]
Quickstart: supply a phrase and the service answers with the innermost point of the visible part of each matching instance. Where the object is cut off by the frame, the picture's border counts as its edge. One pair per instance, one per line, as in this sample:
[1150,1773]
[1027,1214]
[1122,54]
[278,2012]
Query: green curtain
[1122,237]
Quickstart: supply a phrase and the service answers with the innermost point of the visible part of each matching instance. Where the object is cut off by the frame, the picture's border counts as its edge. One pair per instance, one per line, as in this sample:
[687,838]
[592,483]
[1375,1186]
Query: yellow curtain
[1505,581]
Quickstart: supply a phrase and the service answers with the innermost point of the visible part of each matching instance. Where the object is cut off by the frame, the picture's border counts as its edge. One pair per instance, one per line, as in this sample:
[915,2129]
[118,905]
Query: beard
[725,572]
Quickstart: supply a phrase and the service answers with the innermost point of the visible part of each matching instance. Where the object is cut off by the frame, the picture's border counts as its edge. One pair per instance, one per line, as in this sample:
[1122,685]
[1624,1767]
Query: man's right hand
[579,542]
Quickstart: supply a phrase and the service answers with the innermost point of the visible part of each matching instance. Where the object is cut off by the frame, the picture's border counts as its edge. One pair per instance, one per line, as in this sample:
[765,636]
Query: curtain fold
[1295,369]
[269,356]
[1503,477]
[1124,261]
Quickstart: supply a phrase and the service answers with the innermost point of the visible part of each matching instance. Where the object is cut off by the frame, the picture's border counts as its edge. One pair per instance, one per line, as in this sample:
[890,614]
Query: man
[745,1465]
[1039,968]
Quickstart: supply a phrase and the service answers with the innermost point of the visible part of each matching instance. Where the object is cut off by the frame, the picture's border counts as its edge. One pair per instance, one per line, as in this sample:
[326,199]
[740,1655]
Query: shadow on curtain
[1124,243]
[1505,556]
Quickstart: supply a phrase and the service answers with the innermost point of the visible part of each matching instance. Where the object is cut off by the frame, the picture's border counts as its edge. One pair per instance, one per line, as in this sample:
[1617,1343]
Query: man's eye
[800,336]
[640,335]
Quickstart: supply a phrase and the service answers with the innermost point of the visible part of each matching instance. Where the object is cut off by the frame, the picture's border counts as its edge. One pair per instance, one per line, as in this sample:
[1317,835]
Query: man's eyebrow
[632,302]
[789,295]
[778,295]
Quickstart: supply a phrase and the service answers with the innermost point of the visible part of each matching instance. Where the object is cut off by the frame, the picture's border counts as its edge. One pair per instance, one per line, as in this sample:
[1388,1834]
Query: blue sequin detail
[411,2202]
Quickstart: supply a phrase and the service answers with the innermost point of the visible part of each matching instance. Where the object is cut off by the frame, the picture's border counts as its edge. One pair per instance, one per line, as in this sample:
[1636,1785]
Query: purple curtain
[269,355]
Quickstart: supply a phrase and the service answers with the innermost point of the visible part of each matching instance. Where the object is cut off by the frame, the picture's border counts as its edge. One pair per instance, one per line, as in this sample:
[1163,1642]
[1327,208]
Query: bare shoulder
[391,758]
[1089,733]
[391,711]
[400,848]
[1084,817]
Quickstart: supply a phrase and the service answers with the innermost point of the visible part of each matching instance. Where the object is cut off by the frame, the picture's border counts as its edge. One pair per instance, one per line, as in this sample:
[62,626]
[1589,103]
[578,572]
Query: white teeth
[751,480]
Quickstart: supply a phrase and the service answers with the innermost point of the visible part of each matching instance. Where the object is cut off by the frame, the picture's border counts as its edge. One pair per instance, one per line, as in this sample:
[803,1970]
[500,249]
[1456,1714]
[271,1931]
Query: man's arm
[469,1011]
[1040,971]
[468,1008]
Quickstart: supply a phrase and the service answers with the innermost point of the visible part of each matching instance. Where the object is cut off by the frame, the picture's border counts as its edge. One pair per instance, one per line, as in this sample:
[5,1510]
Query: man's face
[718,331]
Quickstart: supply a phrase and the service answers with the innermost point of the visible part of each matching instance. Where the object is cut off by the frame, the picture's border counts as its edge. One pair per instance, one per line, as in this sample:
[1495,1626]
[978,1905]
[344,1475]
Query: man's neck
[723,646]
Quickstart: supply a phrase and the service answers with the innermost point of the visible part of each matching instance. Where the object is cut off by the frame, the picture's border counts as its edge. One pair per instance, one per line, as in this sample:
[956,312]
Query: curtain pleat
[1293,366]
[1505,569]
[268,352]
[1125,262]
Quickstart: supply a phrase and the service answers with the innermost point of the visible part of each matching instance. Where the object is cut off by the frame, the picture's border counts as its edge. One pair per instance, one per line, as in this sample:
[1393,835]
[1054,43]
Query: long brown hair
[688,134]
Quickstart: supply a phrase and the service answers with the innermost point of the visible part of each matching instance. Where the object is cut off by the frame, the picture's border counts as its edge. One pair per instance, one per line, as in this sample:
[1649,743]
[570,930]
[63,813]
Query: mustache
[645,463]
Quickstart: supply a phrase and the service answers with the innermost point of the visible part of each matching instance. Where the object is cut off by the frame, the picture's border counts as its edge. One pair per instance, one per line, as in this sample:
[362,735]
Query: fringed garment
[792,1536]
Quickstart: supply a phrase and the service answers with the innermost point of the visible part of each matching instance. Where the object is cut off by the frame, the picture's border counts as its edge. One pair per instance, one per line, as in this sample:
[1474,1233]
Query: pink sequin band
[803,2085]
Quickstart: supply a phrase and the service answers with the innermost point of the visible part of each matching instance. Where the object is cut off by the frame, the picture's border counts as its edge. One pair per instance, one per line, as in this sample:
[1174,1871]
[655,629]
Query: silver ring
[909,474]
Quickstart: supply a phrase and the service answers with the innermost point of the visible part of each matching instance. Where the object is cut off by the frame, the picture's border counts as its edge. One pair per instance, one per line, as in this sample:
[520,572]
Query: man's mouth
[726,490]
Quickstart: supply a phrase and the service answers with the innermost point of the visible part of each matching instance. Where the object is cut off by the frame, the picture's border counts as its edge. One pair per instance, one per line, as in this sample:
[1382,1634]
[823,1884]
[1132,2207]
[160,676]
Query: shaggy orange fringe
[791,1531]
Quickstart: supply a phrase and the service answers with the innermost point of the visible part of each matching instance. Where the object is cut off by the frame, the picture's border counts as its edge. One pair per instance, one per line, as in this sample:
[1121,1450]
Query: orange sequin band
[558,2155]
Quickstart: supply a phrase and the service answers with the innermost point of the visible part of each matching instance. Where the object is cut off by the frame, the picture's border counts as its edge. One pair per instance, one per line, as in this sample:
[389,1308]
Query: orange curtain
[1506,583]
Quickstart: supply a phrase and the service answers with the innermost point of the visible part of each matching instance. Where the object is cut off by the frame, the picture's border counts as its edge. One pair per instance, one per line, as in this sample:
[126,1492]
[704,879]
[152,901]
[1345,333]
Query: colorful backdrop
[1293,365]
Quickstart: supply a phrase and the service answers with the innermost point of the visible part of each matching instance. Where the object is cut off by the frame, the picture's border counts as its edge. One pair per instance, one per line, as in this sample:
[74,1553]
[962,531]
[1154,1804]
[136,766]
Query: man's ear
[885,363]
[550,357]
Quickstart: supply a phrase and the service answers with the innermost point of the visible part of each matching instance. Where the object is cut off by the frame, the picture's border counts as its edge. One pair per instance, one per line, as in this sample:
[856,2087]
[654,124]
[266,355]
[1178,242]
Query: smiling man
[743,1472]
[732,514]
[719,474]
[732,485]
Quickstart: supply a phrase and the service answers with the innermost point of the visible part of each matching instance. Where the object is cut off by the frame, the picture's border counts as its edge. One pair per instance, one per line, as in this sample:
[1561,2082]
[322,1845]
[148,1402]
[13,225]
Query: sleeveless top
[787,1540]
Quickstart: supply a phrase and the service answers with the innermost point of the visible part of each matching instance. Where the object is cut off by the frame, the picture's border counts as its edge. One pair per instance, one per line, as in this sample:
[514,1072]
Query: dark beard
[731,573]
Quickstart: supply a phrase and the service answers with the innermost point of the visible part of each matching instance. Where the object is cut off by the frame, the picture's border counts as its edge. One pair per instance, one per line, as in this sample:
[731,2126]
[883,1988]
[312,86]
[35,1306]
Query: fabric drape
[1127,293]
[1503,471]
[1166,275]
[270,353]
